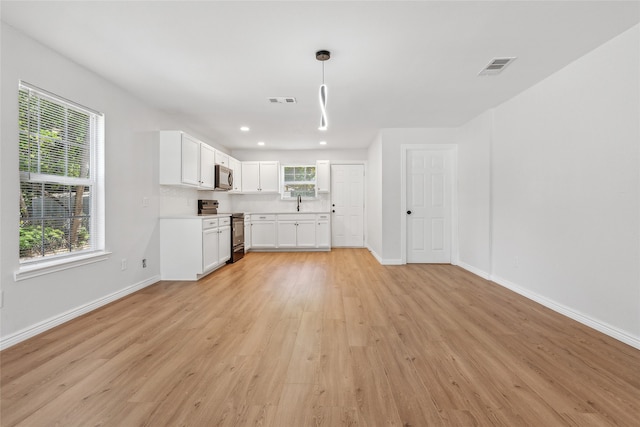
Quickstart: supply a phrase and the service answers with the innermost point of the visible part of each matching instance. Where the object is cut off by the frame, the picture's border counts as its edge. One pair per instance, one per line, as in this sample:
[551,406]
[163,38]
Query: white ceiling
[394,64]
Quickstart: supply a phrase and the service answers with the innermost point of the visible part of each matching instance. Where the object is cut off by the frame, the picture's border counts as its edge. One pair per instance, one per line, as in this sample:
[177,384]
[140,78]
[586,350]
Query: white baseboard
[474,270]
[392,262]
[38,328]
[566,311]
[385,261]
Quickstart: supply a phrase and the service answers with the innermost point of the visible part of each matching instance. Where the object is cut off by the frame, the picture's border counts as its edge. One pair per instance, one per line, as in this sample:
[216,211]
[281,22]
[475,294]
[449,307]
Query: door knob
[408,212]
[334,211]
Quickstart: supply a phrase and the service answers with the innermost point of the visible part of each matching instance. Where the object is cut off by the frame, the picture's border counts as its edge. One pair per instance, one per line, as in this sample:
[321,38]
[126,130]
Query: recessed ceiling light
[323,142]
[244,128]
[261,143]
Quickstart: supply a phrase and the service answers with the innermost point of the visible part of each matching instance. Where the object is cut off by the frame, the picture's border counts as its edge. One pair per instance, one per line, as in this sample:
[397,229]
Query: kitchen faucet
[299,201]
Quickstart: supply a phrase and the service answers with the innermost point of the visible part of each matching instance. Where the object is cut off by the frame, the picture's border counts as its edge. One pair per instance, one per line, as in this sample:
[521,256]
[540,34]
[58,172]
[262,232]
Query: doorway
[347,206]
[428,203]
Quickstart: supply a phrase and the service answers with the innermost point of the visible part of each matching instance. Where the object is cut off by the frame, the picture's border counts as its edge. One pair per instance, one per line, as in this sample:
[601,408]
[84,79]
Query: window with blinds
[299,180]
[60,171]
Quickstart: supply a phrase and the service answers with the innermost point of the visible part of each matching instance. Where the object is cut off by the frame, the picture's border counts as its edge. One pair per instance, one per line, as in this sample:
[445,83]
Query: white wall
[392,140]
[131,145]
[474,198]
[373,199]
[565,190]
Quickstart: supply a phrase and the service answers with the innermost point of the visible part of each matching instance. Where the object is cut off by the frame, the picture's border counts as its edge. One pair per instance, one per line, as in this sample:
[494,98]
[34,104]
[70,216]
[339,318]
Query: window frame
[30,267]
[298,165]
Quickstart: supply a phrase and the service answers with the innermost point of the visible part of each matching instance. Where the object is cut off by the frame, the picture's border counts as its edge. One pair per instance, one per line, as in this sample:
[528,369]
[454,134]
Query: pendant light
[323,55]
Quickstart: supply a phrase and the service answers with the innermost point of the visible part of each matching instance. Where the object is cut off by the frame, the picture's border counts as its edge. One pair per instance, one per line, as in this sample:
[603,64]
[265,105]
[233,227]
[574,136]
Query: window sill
[36,269]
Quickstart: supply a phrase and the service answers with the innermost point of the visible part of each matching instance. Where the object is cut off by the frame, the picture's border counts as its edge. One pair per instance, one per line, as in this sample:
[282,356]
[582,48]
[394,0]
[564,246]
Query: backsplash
[184,201]
[272,203]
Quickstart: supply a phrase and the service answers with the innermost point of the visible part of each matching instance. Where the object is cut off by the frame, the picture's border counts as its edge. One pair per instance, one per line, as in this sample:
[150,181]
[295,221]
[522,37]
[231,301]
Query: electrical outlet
[1,299]
[123,265]
[144,263]
[145,202]
[516,262]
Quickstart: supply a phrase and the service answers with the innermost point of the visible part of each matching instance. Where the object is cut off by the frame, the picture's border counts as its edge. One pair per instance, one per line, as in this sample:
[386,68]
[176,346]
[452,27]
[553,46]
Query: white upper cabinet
[207,166]
[185,161]
[236,167]
[222,159]
[260,177]
[190,152]
[270,176]
[250,176]
[323,176]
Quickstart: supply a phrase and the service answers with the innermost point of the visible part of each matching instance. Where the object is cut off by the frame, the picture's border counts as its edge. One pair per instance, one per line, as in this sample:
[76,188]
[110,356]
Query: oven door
[238,232]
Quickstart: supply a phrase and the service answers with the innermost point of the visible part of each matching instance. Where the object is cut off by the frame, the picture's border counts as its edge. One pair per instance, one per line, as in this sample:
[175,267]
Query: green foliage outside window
[299,181]
[54,150]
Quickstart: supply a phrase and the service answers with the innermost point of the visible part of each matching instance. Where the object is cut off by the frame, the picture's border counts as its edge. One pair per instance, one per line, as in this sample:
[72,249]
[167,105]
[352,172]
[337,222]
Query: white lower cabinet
[290,231]
[263,231]
[224,244]
[323,231]
[193,247]
[247,233]
[287,233]
[210,248]
[299,233]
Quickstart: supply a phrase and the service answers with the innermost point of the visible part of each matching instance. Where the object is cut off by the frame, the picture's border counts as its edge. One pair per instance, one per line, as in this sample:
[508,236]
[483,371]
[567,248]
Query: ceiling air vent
[496,65]
[282,100]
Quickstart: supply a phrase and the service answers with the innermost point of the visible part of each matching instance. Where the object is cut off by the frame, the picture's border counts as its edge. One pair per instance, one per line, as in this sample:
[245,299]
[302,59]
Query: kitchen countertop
[286,213]
[225,215]
[195,216]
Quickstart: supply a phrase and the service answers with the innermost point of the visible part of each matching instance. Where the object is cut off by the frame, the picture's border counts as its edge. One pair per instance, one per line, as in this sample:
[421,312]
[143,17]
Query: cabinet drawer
[224,221]
[209,223]
[296,217]
[263,217]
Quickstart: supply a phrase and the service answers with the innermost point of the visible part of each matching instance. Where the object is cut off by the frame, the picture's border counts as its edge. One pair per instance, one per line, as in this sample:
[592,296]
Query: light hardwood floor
[322,339]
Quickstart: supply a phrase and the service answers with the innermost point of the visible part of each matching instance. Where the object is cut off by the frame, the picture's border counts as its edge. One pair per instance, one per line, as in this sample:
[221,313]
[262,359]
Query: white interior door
[428,206]
[347,205]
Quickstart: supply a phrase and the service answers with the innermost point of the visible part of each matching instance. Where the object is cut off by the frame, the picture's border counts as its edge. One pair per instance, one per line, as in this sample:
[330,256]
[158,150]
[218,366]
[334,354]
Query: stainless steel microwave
[224,178]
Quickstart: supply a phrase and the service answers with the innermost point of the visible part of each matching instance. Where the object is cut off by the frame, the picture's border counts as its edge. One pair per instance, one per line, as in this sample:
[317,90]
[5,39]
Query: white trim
[57,98]
[375,254]
[364,164]
[51,265]
[392,262]
[453,148]
[566,311]
[474,270]
[383,261]
[38,328]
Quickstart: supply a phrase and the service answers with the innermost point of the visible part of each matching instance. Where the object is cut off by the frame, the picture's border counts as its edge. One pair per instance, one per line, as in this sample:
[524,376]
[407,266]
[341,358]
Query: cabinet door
[306,234]
[287,234]
[190,149]
[235,166]
[207,166]
[263,234]
[222,159]
[210,251]
[323,233]
[247,236]
[224,244]
[323,176]
[250,176]
[269,176]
